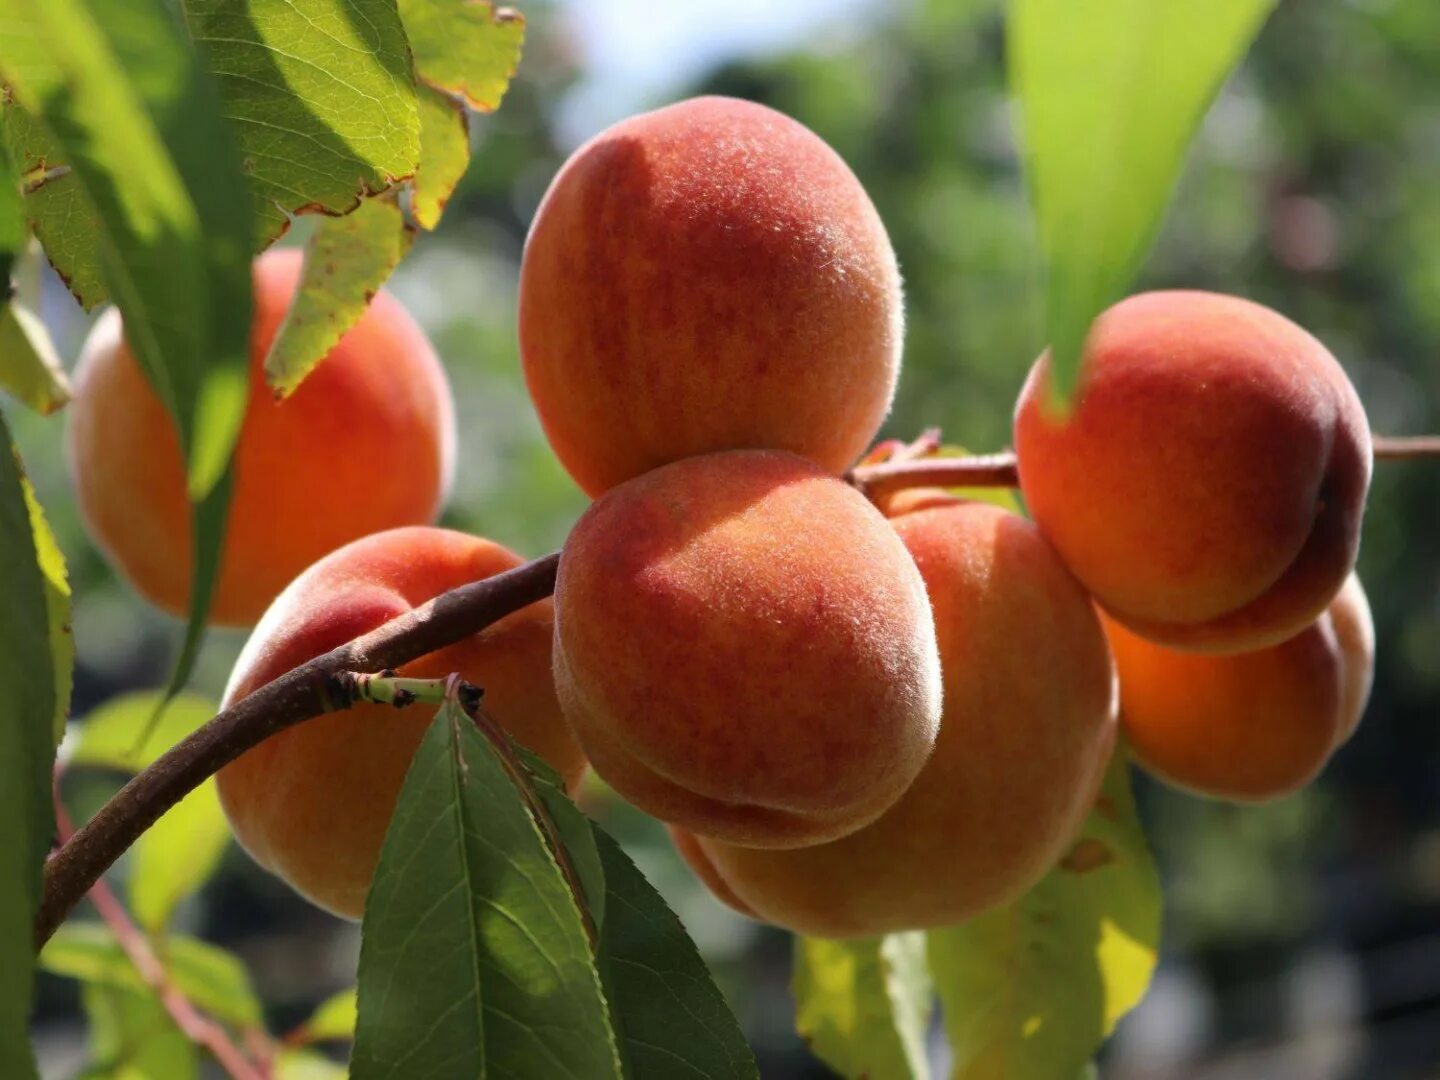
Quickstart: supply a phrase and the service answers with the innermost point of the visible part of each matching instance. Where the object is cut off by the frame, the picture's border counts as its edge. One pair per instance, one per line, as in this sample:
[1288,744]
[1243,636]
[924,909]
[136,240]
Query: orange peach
[312,803]
[366,443]
[1209,483]
[708,276]
[1248,726]
[1027,728]
[744,647]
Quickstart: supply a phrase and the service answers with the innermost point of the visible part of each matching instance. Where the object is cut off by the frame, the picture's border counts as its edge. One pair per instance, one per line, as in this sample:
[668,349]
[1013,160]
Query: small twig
[983,470]
[1404,447]
[295,696]
[195,1026]
[344,688]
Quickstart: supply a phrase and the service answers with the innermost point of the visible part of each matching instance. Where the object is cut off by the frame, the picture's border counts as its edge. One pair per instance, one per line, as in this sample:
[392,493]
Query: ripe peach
[708,276]
[312,802]
[1027,728]
[366,443]
[1209,484]
[1248,726]
[743,647]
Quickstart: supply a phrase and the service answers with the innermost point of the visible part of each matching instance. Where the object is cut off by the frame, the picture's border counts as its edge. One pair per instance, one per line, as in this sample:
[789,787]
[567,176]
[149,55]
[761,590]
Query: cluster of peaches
[855,715]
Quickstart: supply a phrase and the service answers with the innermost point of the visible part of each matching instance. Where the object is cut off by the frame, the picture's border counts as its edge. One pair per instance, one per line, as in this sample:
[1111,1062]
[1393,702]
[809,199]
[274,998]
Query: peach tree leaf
[445,154]
[1110,94]
[1030,990]
[29,366]
[27,730]
[320,94]
[863,1006]
[346,260]
[467,48]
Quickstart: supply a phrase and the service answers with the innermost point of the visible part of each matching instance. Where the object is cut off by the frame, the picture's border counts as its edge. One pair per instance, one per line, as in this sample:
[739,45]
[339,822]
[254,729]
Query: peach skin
[312,803]
[1208,485]
[743,646]
[1027,729]
[708,276]
[366,443]
[1247,726]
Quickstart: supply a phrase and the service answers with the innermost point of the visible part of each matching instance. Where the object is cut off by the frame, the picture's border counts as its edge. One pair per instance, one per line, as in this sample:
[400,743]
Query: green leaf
[576,831]
[213,979]
[305,1064]
[12,220]
[864,1006]
[1029,991]
[1110,94]
[444,155]
[57,610]
[347,259]
[467,48]
[27,733]
[334,1019]
[473,956]
[60,212]
[321,96]
[671,1019]
[113,736]
[29,366]
[176,856]
[132,1037]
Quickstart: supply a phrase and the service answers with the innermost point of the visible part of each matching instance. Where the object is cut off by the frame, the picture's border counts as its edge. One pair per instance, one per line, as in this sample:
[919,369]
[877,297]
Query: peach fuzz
[312,803]
[366,443]
[1027,728]
[704,277]
[1248,726]
[1209,483]
[743,647]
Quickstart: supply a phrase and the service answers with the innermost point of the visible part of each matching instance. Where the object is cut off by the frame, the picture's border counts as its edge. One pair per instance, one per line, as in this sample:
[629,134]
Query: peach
[312,803]
[744,647]
[1209,483]
[1248,726]
[1027,728]
[708,276]
[366,443]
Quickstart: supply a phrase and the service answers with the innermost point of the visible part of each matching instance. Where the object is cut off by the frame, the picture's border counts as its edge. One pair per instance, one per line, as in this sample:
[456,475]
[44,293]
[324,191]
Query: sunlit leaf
[863,1006]
[27,733]
[468,48]
[177,855]
[12,220]
[57,609]
[1029,991]
[445,154]
[305,1064]
[334,1018]
[1110,94]
[474,959]
[213,979]
[321,96]
[132,1037]
[29,366]
[347,259]
[113,736]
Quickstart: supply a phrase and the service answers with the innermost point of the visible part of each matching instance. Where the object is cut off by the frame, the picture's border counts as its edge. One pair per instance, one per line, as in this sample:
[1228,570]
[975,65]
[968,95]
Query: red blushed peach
[1209,484]
[366,443]
[743,646]
[312,803]
[1247,726]
[708,276]
[1027,728]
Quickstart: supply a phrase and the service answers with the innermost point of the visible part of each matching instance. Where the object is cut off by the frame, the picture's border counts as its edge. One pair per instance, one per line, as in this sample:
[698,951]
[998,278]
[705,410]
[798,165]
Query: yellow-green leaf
[57,608]
[1030,990]
[334,1018]
[863,1006]
[114,736]
[177,855]
[1110,94]
[347,260]
[444,155]
[29,366]
[468,48]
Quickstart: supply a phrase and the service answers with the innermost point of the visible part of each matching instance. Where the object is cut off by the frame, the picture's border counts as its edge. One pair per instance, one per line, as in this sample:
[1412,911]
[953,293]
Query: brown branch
[296,696]
[982,470]
[1403,447]
[193,1024]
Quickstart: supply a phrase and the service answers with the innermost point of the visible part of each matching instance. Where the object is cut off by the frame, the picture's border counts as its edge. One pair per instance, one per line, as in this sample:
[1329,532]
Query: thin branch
[982,470]
[194,1025]
[296,696]
[1403,447]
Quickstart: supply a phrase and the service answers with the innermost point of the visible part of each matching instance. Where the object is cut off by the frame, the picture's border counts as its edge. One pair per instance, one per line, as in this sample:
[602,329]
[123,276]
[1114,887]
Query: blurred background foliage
[1302,938]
